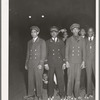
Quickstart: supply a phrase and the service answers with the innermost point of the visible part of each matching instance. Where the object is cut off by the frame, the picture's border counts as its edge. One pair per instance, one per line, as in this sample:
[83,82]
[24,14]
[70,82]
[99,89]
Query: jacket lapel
[34,44]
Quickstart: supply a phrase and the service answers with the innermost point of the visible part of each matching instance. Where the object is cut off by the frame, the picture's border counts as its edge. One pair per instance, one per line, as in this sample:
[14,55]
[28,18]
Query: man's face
[75,31]
[65,35]
[34,33]
[90,32]
[82,32]
[54,34]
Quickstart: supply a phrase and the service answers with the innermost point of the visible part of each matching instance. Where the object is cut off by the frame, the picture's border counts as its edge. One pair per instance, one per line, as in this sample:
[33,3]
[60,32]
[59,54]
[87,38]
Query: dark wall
[57,12]
[61,13]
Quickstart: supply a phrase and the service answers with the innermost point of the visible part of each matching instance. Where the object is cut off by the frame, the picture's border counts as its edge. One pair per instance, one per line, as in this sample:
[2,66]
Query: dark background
[61,13]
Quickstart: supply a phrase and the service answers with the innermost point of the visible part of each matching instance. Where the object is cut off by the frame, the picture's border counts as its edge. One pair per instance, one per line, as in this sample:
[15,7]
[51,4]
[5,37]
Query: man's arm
[67,50]
[27,55]
[63,50]
[43,53]
[84,50]
[84,54]
[46,60]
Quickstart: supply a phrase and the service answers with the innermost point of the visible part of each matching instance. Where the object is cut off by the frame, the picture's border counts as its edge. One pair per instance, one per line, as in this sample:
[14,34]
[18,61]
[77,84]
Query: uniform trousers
[57,69]
[90,68]
[35,81]
[65,80]
[74,72]
[83,79]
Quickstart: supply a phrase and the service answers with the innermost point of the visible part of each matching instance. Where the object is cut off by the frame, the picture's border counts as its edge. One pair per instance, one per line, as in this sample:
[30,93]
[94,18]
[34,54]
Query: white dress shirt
[91,38]
[55,39]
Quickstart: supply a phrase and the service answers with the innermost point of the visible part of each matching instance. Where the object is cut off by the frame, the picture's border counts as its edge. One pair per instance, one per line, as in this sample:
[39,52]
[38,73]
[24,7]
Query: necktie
[54,39]
[90,39]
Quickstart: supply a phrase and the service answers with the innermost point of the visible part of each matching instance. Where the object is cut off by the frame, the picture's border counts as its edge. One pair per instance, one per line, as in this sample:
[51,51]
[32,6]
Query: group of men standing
[64,59]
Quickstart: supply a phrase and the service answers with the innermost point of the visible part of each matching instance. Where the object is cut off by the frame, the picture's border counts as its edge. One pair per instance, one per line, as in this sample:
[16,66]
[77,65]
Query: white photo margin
[5,50]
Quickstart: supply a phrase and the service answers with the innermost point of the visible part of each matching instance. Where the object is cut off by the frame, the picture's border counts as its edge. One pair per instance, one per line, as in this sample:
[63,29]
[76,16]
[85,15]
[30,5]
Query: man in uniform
[82,33]
[83,71]
[90,61]
[36,54]
[65,37]
[75,60]
[65,34]
[55,57]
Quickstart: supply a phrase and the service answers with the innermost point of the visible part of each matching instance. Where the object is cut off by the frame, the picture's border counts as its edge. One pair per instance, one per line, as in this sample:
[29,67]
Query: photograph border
[5,49]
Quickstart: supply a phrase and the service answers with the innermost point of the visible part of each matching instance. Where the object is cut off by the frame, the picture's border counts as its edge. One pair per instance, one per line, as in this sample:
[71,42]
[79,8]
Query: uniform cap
[75,25]
[54,28]
[35,28]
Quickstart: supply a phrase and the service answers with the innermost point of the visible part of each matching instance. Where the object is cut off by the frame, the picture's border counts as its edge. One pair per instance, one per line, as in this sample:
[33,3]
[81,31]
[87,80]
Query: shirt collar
[55,39]
[34,39]
[92,38]
[83,36]
[52,39]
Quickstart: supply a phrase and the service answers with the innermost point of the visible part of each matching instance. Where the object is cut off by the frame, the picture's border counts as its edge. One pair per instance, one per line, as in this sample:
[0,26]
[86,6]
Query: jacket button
[73,51]
[78,51]
[35,50]
[90,47]
[35,57]
[58,49]
[73,47]
[78,47]
[30,57]
[53,54]
[53,50]
[78,54]
[72,54]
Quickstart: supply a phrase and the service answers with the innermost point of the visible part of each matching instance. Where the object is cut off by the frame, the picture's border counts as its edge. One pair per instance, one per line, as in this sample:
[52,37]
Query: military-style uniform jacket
[36,53]
[55,51]
[75,50]
[90,49]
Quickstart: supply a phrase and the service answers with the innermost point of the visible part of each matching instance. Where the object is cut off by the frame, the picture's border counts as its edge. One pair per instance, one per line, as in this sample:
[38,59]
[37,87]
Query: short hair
[35,28]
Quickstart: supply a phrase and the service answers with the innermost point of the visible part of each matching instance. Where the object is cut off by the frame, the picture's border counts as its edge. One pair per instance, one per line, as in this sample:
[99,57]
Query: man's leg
[39,83]
[83,79]
[93,76]
[65,80]
[31,83]
[77,80]
[89,79]
[70,80]
[60,80]
[50,90]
